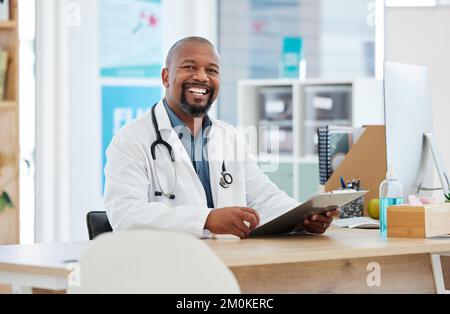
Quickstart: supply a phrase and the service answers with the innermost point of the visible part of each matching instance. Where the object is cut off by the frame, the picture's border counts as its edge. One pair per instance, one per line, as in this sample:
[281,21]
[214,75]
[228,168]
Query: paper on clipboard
[316,204]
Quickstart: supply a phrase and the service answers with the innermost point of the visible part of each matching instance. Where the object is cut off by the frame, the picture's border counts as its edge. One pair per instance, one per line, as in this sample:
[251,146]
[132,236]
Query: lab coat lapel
[215,159]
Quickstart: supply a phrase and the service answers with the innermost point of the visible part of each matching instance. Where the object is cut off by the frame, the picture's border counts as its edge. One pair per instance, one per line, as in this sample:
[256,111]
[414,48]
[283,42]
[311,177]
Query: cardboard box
[366,161]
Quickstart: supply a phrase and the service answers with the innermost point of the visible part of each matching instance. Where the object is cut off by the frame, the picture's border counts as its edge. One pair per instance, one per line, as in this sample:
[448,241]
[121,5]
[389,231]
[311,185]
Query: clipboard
[320,203]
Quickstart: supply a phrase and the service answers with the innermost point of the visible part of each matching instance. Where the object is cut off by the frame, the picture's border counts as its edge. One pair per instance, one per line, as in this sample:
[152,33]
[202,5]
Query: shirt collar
[175,121]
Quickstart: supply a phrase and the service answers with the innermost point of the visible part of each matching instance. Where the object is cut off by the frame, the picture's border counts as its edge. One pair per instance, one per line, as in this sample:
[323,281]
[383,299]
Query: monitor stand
[430,144]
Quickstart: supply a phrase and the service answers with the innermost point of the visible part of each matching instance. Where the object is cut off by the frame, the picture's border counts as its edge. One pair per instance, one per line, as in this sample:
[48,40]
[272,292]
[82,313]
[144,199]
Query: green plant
[5,201]
[447,197]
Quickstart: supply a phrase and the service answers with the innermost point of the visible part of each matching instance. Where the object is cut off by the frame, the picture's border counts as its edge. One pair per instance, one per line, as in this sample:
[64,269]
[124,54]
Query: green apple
[374,208]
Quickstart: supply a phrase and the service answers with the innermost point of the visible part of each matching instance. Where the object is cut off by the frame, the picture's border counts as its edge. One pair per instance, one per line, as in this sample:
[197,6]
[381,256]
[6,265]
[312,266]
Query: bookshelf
[353,102]
[8,24]
[9,128]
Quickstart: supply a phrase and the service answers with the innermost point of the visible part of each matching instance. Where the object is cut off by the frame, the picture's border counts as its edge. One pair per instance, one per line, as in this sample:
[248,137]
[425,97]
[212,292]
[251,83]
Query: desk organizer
[418,221]
[353,209]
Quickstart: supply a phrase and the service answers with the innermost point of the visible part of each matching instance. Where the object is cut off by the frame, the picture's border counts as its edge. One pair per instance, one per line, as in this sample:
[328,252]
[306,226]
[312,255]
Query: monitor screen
[408,115]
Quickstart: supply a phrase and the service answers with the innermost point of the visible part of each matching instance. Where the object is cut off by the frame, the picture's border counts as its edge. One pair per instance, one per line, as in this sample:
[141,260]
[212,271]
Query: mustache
[187,85]
[191,109]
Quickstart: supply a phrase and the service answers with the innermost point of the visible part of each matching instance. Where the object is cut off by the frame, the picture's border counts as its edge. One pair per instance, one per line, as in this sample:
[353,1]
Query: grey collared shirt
[195,148]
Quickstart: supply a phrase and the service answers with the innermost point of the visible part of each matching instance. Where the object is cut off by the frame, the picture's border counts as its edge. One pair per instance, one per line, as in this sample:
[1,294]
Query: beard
[195,110]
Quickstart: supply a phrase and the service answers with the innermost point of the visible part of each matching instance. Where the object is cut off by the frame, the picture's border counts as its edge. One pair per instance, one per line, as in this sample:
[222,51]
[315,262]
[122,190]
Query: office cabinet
[284,114]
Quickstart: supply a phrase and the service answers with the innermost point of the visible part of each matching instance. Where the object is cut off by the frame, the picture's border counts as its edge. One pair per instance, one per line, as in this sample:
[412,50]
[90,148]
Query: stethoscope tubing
[226,179]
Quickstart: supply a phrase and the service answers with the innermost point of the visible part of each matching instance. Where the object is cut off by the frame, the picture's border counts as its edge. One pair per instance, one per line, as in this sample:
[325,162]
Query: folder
[292,221]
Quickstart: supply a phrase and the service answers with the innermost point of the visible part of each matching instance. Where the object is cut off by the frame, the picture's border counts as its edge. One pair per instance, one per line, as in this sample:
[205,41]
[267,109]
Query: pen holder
[353,209]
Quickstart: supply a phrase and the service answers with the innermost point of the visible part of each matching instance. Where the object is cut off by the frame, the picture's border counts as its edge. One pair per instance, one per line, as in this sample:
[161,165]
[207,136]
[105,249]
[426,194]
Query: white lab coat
[130,184]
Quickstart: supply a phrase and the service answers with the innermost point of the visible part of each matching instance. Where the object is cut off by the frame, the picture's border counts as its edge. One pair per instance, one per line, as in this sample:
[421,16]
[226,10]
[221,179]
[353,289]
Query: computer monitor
[410,143]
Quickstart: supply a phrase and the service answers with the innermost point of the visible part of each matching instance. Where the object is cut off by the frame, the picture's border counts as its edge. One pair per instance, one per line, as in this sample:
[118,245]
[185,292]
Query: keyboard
[357,222]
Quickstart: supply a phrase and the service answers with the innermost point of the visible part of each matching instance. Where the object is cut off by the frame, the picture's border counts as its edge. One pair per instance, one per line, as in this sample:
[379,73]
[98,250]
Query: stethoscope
[226,179]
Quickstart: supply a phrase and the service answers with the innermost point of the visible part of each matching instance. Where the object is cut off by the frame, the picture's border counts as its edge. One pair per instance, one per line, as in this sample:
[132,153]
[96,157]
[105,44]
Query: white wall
[85,120]
[68,131]
[52,123]
[421,36]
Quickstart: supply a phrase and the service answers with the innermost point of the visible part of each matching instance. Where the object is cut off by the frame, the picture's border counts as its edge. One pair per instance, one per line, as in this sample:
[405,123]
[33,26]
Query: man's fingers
[251,218]
[237,232]
[316,226]
[334,213]
[251,211]
[238,224]
[314,229]
[321,218]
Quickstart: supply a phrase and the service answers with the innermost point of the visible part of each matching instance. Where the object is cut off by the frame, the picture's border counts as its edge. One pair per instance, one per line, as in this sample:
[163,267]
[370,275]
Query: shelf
[271,158]
[323,123]
[288,158]
[8,24]
[279,123]
[7,104]
[289,82]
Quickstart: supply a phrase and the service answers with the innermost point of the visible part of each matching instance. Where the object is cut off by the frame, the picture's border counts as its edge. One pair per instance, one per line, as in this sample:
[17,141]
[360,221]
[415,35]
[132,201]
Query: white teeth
[196,90]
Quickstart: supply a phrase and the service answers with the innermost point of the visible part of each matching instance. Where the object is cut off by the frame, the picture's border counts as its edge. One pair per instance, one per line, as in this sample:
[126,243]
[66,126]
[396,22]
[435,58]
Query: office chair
[97,223]
[159,262]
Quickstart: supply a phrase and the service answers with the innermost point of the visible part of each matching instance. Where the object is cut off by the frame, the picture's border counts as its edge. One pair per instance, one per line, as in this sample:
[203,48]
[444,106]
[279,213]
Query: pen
[343,183]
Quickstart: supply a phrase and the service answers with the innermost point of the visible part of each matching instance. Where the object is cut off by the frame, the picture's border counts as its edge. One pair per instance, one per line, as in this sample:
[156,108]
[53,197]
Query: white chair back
[152,262]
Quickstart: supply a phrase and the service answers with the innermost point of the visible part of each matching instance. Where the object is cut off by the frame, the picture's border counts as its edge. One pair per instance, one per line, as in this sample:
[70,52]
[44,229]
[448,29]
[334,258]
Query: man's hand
[320,223]
[230,220]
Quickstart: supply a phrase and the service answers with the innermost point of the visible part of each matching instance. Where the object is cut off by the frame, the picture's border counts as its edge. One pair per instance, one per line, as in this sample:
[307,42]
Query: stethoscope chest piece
[226,179]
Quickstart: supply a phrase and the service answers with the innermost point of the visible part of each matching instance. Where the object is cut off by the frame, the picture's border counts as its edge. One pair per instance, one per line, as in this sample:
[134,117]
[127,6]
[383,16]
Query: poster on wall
[121,105]
[130,38]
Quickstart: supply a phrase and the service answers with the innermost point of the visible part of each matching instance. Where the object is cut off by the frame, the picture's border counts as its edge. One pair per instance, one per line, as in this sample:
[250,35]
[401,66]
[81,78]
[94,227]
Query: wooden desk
[43,266]
[334,262]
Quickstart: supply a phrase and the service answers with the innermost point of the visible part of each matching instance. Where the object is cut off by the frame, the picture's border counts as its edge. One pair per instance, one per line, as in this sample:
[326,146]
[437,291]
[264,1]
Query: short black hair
[182,42]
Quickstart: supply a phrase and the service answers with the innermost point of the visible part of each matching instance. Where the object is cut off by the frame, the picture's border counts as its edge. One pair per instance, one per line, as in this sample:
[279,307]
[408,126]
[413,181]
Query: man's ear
[165,77]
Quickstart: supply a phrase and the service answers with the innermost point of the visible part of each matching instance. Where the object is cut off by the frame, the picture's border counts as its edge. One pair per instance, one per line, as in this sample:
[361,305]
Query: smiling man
[174,168]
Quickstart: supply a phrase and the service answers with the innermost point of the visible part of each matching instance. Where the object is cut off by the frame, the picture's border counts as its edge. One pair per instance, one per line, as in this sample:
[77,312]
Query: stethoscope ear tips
[172,197]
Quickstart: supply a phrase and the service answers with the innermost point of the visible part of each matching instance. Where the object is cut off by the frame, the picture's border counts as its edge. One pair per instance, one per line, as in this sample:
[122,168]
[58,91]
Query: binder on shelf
[365,160]
[334,143]
[324,155]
